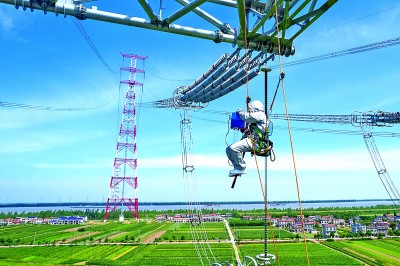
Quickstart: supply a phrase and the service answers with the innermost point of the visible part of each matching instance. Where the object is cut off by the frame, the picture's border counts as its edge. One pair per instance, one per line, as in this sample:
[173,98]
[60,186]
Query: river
[216,207]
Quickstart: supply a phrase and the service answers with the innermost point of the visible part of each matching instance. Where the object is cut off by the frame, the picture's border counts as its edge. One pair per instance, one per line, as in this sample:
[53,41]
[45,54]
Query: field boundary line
[123,253]
[380,253]
[348,255]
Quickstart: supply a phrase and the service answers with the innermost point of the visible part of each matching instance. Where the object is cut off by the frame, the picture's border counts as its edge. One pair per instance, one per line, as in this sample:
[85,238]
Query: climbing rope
[290,134]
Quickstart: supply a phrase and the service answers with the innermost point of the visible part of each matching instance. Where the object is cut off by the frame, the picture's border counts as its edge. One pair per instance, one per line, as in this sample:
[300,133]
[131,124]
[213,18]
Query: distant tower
[124,180]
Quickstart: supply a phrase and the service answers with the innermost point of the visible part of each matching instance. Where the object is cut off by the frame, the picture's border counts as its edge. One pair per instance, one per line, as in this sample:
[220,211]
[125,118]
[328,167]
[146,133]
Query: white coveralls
[236,151]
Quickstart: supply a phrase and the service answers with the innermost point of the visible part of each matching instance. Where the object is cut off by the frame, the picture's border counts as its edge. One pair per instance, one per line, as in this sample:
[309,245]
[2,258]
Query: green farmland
[166,243]
[372,252]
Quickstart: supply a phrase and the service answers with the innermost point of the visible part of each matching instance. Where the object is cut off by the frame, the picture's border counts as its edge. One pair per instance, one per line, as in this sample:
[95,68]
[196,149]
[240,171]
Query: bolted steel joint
[80,11]
[226,28]
[218,36]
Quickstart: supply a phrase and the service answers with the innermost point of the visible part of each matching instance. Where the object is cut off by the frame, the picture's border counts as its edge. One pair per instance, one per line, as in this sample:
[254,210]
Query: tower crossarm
[265,30]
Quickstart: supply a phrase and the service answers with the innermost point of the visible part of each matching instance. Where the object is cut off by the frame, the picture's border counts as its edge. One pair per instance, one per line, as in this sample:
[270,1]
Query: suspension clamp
[189,168]
[226,28]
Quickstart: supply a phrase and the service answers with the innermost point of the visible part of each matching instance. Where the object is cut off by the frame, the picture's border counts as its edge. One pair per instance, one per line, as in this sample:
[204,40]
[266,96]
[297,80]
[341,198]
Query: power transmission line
[50,108]
[355,50]
[91,44]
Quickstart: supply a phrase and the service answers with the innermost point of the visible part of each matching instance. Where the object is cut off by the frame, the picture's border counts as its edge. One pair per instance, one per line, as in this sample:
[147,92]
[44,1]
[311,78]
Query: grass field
[168,254]
[372,252]
[115,243]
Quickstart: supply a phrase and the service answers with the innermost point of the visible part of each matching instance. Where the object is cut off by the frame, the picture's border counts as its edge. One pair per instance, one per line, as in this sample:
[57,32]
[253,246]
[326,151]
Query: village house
[309,227]
[22,220]
[378,219]
[372,229]
[338,221]
[183,218]
[389,217]
[160,218]
[297,227]
[274,221]
[325,220]
[286,221]
[327,229]
[350,221]
[382,228]
[212,217]
[62,220]
[358,228]
[311,218]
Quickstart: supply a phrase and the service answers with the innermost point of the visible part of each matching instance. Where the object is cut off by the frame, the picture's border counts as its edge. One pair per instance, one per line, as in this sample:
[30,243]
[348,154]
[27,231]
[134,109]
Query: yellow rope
[290,136]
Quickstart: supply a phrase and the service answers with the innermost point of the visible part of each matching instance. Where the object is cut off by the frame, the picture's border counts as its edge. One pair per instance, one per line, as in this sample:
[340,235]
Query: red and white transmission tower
[124,181]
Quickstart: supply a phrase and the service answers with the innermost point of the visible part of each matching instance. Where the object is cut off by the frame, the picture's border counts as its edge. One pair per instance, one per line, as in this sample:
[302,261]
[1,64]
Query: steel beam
[184,10]
[149,11]
[224,32]
[95,14]
[242,16]
[230,3]
[225,28]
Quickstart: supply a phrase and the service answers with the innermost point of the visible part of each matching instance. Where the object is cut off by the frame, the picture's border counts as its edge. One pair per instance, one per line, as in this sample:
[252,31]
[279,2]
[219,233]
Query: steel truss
[124,180]
[257,27]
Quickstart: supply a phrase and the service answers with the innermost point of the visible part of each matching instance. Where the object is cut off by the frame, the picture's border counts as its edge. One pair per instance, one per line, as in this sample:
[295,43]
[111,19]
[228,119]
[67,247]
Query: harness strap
[260,136]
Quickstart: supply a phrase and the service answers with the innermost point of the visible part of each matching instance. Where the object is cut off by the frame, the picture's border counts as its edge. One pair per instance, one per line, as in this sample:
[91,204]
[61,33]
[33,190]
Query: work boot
[237,172]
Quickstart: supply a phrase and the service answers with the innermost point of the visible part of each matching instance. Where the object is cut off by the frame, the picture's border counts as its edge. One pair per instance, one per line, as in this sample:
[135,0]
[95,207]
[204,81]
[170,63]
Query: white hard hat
[256,106]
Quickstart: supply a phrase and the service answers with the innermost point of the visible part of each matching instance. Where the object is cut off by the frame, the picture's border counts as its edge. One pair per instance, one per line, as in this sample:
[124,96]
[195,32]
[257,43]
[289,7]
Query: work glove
[239,110]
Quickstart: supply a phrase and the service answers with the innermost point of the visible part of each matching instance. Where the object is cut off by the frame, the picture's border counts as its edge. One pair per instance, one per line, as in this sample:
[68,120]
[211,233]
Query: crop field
[372,252]
[184,232]
[154,254]
[99,232]
[113,243]
[218,231]
[168,254]
[295,254]
[257,232]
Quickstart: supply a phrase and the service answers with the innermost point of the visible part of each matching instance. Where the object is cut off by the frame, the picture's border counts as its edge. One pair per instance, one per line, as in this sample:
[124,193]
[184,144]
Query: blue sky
[68,156]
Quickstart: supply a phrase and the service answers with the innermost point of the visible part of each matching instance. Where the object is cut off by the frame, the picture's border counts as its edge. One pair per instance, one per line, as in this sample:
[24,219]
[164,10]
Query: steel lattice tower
[124,180]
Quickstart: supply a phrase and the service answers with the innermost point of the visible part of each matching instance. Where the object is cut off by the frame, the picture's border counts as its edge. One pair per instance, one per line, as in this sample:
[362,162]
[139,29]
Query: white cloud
[33,141]
[338,161]
[96,165]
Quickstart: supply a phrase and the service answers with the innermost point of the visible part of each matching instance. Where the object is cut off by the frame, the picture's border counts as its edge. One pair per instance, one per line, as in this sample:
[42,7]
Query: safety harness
[265,145]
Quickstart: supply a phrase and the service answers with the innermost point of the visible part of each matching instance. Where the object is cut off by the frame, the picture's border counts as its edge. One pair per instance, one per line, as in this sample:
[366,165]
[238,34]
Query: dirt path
[152,237]
[74,229]
[69,240]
